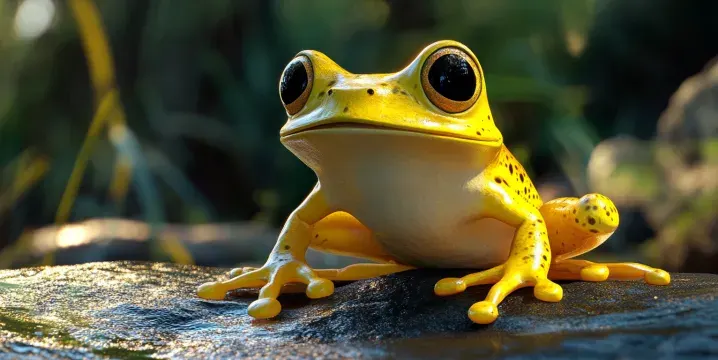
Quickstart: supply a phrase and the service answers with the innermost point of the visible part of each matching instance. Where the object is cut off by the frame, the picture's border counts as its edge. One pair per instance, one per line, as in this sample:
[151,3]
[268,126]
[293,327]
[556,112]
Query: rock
[135,309]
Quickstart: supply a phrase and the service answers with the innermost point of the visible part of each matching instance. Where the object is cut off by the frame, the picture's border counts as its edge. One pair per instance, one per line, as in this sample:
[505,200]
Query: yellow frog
[412,172]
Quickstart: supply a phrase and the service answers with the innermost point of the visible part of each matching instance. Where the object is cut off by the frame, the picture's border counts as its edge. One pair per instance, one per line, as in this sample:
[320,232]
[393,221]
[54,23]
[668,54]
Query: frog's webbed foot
[349,273]
[278,271]
[527,265]
[506,280]
[574,269]
[288,275]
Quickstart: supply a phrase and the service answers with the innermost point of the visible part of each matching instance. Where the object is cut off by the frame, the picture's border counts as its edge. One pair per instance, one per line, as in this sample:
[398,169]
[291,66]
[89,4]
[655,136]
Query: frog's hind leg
[578,225]
[342,234]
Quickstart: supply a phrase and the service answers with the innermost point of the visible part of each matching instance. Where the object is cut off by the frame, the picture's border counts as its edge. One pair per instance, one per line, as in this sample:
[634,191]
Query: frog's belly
[428,229]
[414,192]
[481,246]
[421,214]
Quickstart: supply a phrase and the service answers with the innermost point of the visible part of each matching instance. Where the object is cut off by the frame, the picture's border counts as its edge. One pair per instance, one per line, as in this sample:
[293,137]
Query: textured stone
[129,309]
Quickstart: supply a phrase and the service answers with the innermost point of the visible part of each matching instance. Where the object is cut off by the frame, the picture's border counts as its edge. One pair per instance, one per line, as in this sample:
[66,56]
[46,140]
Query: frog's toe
[449,286]
[483,312]
[240,270]
[547,290]
[657,277]
[212,291]
[319,288]
[265,308]
[595,272]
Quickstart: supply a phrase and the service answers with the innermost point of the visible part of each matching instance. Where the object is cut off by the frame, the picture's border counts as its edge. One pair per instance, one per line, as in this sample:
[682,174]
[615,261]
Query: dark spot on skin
[608,214]
[505,182]
[331,83]
[574,211]
[488,117]
[595,207]
[511,169]
[478,132]
[346,108]
[576,220]
[395,90]
[543,266]
[591,220]
[287,247]
[588,208]
[584,224]
[321,93]
[526,257]
[383,84]
[594,231]
[404,93]
[531,233]
[522,177]
[539,220]
[316,235]
[370,91]
[330,92]
[545,258]
[498,180]
[526,248]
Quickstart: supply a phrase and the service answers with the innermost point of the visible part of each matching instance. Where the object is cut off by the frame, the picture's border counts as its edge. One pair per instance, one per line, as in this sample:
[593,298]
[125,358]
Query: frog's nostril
[370,91]
[330,92]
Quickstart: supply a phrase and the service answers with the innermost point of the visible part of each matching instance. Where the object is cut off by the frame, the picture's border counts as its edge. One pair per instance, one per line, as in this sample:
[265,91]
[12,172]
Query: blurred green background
[174,140]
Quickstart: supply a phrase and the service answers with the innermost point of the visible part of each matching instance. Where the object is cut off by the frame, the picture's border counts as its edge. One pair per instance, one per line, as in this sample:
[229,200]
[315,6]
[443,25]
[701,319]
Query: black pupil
[293,82]
[453,77]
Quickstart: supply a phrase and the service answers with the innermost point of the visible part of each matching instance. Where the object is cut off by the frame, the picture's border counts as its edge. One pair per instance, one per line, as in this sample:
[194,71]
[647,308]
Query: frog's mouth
[348,125]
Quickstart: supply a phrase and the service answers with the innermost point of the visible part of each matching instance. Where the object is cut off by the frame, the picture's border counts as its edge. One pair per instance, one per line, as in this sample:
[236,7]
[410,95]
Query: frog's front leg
[287,265]
[527,265]
[341,233]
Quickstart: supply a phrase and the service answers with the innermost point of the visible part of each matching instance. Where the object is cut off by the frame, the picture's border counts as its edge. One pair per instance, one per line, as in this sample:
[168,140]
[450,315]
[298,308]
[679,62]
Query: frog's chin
[347,128]
[332,151]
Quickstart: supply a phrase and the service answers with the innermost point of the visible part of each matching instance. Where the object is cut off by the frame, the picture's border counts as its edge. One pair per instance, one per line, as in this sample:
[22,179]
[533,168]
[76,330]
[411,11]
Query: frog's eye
[296,84]
[451,80]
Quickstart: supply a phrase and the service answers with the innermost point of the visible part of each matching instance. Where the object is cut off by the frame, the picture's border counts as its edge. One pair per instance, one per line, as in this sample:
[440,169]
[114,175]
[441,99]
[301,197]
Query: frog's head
[441,93]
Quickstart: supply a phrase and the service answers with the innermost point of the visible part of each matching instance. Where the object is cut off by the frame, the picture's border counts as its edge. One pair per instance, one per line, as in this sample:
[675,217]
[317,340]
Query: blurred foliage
[672,178]
[198,89]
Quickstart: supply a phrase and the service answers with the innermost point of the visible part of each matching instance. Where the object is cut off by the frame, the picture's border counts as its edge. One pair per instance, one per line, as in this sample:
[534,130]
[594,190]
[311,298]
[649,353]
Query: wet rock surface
[145,310]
